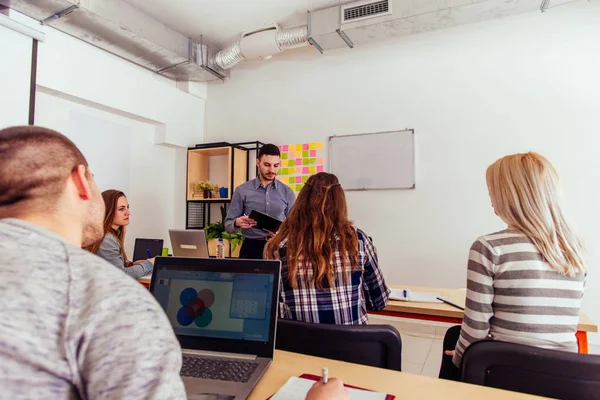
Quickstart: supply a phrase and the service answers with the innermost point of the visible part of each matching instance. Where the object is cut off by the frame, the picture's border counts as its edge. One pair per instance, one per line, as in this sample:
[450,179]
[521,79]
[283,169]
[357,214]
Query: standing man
[263,193]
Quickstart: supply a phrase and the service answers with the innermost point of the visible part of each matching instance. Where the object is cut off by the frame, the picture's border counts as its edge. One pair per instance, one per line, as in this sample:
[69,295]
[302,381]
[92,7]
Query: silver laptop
[223,312]
[188,243]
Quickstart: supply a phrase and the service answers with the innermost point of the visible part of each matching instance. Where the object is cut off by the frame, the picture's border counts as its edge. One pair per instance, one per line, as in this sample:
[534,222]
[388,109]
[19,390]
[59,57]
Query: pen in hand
[325,376]
[148,251]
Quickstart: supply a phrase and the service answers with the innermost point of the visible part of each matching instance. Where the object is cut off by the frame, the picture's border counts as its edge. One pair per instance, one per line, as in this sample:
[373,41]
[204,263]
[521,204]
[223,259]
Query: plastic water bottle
[220,249]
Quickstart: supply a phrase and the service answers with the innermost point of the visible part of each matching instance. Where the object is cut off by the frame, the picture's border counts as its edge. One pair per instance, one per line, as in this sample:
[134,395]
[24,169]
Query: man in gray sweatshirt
[72,326]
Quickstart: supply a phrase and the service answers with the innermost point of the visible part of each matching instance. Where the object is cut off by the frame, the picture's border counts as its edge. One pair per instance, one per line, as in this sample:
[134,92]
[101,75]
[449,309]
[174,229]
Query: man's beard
[93,228]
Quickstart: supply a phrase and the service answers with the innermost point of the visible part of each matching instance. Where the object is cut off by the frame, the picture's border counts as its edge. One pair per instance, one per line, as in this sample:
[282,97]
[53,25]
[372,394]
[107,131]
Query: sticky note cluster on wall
[299,162]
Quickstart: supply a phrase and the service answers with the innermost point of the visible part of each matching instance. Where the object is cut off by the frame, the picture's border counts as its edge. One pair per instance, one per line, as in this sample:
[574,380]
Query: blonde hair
[524,192]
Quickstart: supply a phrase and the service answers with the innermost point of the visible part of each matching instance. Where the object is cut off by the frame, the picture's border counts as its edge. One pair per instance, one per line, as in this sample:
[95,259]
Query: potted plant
[215,231]
[204,187]
[235,242]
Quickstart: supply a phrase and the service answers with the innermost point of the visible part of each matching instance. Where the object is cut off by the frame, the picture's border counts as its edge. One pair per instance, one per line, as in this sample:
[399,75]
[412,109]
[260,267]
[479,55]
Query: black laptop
[223,312]
[147,248]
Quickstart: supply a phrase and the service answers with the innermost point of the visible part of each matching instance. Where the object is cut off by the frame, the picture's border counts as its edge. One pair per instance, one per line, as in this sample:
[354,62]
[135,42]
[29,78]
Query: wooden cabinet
[224,164]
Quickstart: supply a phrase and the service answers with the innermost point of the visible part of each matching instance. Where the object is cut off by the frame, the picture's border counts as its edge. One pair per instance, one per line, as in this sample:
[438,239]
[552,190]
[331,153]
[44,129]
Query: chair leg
[447,369]
[582,342]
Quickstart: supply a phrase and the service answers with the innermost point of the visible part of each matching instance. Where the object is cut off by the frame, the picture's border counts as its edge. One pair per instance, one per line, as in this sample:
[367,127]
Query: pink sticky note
[298,161]
[284,147]
[319,168]
[320,161]
[305,170]
[313,153]
[305,146]
[298,179]
[298,170]
[280,148]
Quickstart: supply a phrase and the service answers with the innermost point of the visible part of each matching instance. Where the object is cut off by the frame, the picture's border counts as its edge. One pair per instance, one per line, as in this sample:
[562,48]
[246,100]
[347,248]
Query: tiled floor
[422,343]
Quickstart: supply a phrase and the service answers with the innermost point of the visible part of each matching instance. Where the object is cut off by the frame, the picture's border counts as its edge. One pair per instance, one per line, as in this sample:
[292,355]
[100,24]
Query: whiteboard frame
[379,133]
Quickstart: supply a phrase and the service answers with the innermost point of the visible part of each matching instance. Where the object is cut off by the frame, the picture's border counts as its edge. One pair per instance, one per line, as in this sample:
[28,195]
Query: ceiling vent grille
[363,10]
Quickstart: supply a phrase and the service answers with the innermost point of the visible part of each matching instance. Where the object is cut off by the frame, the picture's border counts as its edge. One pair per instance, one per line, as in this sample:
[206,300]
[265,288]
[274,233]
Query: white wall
[472,94]
[147,174]
[157,117]
[15,72]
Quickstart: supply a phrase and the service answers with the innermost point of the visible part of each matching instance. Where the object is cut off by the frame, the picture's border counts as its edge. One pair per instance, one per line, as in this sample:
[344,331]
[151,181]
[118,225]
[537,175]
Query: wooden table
[401,384]
[445,313]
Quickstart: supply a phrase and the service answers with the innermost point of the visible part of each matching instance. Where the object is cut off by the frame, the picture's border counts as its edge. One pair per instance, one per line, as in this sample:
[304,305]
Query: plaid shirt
[346,304]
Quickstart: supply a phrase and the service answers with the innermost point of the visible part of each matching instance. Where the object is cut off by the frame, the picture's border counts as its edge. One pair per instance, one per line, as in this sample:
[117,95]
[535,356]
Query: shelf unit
[225,164]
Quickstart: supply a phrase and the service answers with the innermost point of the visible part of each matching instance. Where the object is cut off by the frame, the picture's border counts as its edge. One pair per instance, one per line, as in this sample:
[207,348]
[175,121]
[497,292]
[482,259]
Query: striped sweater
[515,296]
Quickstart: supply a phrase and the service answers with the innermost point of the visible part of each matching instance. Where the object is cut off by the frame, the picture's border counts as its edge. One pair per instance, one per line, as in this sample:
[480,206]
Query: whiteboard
[371,161]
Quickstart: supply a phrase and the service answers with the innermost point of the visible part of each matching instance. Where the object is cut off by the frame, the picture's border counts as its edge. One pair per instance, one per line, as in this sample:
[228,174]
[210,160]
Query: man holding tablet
[263,194]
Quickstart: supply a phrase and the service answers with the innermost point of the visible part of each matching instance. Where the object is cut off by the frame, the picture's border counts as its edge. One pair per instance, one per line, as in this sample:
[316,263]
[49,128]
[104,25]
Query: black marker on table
[450,303]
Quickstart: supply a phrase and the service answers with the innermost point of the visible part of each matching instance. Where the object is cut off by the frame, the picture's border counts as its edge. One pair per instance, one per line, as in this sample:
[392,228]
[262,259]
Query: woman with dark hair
[329,268]
[111,247]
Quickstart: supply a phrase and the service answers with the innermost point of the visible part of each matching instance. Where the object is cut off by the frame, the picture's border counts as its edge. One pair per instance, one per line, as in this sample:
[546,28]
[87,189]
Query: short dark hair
[35,164]
[268,149]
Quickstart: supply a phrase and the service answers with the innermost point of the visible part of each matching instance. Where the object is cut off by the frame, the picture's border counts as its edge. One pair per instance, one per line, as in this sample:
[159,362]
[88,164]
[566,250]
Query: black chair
[532,370]
[373,345]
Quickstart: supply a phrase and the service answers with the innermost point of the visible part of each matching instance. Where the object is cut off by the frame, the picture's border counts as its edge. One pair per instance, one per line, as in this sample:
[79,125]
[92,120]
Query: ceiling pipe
[262,43]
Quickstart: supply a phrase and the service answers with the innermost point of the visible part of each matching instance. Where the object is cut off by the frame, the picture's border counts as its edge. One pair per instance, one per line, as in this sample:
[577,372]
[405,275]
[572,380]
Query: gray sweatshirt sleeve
[122,343]
[110,250]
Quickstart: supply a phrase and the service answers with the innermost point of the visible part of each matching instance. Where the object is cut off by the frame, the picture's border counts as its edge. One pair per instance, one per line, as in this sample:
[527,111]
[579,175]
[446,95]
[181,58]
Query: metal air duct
[119,28]
[262,43]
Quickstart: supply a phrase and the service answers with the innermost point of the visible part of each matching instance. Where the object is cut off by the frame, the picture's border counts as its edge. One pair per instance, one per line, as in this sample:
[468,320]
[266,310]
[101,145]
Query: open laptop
[189,243]
[147,248]
[223,312]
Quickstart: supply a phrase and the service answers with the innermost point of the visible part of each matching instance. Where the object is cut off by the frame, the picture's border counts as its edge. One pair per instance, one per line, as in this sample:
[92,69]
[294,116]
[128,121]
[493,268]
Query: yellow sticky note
[312,146]
[319,145]
[312,170]
[298,147]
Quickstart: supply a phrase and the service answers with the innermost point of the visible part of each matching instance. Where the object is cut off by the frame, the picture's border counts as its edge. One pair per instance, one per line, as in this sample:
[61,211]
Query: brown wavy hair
[315,228]
[111,197]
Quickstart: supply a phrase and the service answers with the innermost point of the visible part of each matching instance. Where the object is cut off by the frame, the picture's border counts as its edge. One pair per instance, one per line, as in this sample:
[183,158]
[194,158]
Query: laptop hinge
[219,354]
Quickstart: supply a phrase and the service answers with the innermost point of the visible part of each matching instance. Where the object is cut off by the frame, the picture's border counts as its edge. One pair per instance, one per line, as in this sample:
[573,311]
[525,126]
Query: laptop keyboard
[211,368]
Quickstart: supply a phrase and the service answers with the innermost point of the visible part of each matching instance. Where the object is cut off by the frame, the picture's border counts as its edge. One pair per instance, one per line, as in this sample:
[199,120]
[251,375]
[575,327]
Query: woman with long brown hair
[329,268]
[111,247]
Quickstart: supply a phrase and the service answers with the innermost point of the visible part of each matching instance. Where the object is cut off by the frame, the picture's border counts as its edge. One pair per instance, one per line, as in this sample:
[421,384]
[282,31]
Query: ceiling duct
[117,27]
[363,22]
[262,43]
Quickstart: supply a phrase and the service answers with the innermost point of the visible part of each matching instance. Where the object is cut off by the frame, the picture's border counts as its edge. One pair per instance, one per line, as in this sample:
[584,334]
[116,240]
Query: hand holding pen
[327,389]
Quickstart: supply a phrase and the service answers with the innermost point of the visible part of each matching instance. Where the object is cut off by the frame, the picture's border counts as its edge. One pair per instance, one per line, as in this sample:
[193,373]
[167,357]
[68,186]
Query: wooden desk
[445,313]
[400,384]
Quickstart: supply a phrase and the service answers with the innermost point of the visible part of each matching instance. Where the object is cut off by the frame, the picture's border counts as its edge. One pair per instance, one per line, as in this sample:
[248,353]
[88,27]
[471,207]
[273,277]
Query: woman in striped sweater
[525,283]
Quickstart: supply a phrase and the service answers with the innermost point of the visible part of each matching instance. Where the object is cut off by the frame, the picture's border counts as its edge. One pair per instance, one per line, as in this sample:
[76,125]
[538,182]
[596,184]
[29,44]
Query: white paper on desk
[421,297]
[297,388]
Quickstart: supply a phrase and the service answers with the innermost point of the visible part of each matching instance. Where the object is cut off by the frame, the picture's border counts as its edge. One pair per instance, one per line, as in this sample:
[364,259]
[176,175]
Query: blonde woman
[525,283]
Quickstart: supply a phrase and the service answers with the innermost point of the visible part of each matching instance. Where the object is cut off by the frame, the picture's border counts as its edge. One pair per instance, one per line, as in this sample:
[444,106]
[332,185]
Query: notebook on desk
[409,295]
[296,388]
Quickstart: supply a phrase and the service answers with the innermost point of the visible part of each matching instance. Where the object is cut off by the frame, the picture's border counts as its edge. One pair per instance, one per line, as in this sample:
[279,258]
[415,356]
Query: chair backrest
[373,345]
[532,370]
